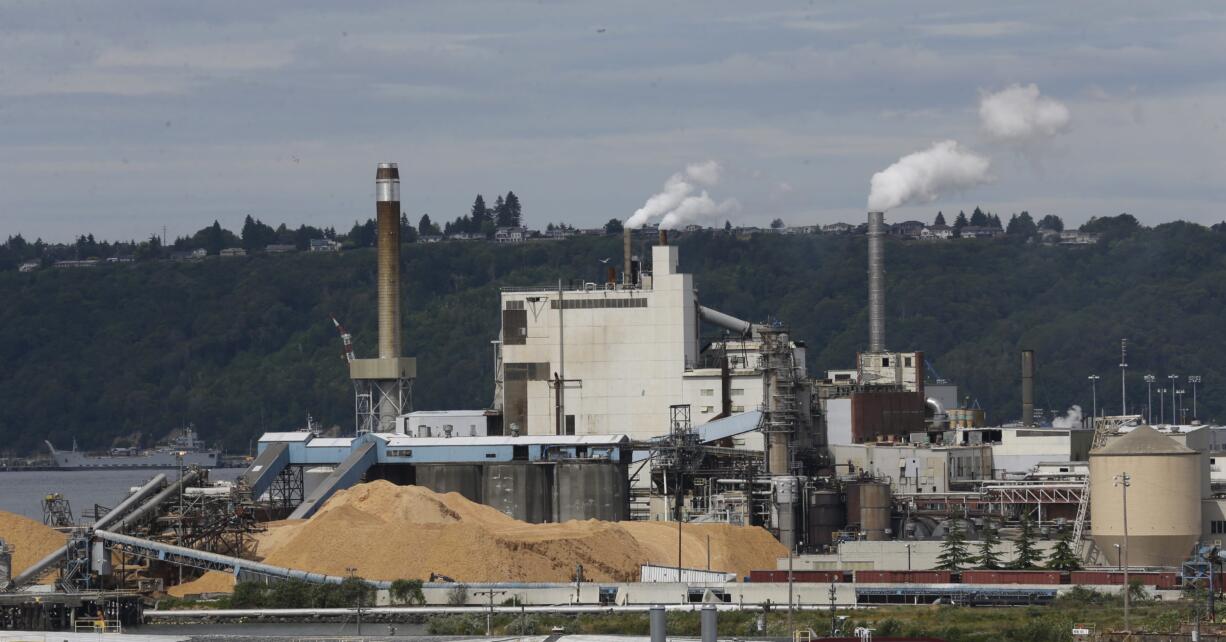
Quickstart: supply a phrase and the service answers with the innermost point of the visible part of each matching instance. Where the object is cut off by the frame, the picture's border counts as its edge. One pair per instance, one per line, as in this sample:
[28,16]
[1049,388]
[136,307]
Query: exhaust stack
[387,210]
[1028,388]
[876,282]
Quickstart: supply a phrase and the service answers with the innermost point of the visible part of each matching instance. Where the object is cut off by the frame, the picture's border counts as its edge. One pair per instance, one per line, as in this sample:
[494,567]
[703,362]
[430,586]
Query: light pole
[1149,397]
[1124,480]
[1094,396]
[1174,381]
[1194,380]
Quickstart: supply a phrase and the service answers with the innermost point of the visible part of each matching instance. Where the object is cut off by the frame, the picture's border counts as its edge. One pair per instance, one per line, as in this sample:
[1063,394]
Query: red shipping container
[1010,577]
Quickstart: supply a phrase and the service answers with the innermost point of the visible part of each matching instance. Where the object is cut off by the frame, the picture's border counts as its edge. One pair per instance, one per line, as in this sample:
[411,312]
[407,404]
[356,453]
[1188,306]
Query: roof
[1143,441]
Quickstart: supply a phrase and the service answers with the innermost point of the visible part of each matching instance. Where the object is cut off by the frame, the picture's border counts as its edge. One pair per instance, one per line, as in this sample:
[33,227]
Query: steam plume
[921,177]
[1018,114]
[1070,420]
[677,205]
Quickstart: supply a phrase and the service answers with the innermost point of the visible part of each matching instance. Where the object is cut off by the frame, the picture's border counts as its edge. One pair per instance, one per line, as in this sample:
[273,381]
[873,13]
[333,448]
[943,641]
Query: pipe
[387,211]
[627,278]
[876,283]
[54,557]
[238,564]
[742,327]
[1028,388]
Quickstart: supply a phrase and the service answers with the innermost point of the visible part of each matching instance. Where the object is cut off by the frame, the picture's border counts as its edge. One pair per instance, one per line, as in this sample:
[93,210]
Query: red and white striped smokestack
[387,211]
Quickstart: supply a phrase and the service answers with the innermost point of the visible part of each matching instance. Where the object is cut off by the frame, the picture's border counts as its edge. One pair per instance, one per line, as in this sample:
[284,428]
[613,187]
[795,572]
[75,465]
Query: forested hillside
[241,345]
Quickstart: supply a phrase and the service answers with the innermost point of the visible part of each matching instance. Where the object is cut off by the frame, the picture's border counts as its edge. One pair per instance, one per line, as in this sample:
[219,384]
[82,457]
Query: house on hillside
[325,245]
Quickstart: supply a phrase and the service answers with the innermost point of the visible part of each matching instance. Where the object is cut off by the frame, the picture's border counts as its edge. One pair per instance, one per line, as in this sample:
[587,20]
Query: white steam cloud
[1019,114]
[677,204]
[1070,420]
[922,176]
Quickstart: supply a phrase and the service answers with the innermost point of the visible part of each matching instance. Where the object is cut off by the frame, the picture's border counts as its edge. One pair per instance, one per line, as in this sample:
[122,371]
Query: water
[22,492]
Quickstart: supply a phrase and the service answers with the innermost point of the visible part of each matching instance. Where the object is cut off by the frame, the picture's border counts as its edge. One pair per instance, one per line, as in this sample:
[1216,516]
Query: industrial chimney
[876,282]
[1028,388]
[387,209]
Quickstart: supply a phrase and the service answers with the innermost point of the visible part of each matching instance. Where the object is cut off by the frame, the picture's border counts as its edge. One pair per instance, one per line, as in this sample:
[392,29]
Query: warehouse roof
[1143,441]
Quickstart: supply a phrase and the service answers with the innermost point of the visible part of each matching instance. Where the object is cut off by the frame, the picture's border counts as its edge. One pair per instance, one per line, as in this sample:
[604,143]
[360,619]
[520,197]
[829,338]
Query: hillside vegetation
[241,345]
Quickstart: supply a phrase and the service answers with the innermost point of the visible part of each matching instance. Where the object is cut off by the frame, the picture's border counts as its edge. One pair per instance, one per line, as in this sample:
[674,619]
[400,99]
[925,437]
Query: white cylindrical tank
[1164,495]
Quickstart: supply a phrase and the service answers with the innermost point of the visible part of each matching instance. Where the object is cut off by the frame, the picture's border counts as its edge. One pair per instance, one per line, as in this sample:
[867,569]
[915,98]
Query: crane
[346,339]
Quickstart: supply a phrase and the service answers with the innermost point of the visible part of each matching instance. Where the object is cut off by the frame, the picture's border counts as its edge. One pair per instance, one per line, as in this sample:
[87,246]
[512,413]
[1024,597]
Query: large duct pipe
[876,282]
[387,210]
[1028,388]
[627,277]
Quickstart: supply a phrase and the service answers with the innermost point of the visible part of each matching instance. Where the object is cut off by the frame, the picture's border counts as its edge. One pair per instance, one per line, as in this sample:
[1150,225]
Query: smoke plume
[922,176]
[1018,114]
[1070,420]
[677,204]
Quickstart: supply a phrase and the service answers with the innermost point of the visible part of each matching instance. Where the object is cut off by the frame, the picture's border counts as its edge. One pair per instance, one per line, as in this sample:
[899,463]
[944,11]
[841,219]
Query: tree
[777,224]
[1021,225]
[614,226]
[1051,222]
[1062,557]
[940,220]
[514,210]
[1027,556]
[989,557]
[953,549]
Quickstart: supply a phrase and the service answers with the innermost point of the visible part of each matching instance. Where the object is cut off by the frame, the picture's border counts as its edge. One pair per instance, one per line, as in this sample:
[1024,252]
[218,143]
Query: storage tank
[875,510]
[464,479]
[826,517]
[590,490]
[521,490]
[1164,518]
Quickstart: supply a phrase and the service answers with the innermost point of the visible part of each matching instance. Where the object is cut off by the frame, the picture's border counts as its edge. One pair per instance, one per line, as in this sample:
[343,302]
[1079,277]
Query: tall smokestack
[387,210]
[876,282]
[1028,388]
[627,277]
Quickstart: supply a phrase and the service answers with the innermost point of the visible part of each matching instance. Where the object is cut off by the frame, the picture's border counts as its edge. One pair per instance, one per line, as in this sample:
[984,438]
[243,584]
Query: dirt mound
[30,540]
[389,532]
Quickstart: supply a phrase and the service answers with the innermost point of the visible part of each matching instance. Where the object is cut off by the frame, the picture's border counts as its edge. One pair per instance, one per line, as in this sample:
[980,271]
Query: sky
[121,118]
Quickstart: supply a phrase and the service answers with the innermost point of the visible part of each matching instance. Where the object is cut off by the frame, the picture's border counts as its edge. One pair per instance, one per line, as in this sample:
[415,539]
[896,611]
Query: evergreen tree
[978,218]
[1051,222]
[989,557]
[953,550]
[940,220]
[1062,557]
[614,226]
[1027,556]
[514,210]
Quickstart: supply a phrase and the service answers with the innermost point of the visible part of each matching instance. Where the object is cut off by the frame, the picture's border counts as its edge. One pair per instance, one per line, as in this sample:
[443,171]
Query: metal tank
[464,479]
[874,510]
[825,516]
[595,490]
[521,490]
[1164,495]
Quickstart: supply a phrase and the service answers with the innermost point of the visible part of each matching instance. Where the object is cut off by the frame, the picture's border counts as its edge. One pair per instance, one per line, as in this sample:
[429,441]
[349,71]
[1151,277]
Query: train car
[1011,577]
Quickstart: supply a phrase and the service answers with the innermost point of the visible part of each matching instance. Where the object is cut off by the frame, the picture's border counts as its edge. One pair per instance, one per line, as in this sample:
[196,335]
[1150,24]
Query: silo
[825,517]
[874,510]
[590,490]
[464,479]
[1164,494]
[521,490]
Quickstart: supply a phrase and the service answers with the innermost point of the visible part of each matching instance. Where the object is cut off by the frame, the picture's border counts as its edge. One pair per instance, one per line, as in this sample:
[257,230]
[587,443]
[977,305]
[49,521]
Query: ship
[187,449]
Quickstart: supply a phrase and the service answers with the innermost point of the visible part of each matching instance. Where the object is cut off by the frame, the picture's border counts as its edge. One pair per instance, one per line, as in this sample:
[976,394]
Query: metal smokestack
[876,282]
[1028,388]
[387,210]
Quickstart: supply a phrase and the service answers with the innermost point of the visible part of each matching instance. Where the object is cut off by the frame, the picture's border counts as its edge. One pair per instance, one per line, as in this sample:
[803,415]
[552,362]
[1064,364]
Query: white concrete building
[612,359]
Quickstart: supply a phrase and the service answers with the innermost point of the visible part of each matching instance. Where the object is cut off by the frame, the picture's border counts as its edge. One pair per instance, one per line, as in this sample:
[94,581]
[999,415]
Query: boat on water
[186,449]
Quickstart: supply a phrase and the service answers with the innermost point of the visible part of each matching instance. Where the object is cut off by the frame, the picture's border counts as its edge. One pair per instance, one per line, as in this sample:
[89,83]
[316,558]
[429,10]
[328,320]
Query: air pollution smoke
[921,177]
[678,205]
[1018,114]
[1070,420]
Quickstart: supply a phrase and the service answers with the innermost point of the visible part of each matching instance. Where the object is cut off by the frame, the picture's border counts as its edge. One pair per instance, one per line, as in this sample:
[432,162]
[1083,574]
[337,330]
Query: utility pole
[1124,480]
[1123,377]
[1149,397]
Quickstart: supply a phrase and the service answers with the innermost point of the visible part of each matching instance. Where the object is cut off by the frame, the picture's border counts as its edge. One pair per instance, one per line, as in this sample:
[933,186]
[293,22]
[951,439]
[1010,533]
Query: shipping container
[820,577]
[1011,577]
[904,577]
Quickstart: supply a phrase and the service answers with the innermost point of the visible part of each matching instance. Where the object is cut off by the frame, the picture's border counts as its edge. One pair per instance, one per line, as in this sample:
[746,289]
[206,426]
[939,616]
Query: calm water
[22,492]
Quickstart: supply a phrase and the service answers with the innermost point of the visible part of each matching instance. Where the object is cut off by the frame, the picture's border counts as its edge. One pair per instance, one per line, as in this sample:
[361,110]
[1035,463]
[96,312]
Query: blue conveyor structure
[346,474]
[267,465]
